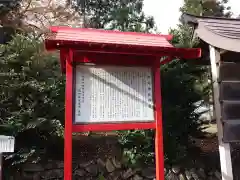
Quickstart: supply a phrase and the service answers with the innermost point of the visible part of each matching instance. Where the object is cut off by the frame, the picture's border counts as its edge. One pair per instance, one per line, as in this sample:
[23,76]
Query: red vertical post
[159,154]
[68,118]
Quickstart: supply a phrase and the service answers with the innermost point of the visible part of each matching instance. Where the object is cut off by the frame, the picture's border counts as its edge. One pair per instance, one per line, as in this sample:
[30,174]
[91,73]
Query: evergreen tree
[124,15]
[32,98]
[207,8]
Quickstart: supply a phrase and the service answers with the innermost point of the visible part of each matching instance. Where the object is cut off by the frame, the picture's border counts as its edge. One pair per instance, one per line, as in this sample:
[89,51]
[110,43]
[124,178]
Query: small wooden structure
[222,37]
[113,77]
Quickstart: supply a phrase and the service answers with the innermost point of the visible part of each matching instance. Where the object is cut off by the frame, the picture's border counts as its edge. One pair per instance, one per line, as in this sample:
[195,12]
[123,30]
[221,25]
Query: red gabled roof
[107,41]
[110,37]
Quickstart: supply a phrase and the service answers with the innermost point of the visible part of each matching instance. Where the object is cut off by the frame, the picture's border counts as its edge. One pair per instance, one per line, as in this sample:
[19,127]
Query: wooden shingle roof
[223,33]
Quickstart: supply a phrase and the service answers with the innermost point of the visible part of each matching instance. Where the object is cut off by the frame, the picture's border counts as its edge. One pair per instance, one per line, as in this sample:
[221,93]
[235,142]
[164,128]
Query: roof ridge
[210,17]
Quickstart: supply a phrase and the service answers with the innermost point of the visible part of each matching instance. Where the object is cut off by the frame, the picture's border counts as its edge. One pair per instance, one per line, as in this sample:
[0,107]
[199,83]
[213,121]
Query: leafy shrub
[32,97]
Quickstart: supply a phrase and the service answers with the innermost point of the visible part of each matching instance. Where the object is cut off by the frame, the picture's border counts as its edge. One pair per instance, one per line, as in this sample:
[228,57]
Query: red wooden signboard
[113,82]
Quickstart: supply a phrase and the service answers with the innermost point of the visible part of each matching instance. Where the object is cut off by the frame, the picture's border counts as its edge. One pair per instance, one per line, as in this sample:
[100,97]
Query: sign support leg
[159,154]
[1,164]
[68,120]
[224,148]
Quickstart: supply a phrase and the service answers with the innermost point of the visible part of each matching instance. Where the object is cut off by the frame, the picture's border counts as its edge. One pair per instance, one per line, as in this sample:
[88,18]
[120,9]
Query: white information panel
[113,94]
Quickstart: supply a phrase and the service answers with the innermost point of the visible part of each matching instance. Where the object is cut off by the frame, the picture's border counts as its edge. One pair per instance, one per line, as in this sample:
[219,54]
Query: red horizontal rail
[112,59]
[112,127]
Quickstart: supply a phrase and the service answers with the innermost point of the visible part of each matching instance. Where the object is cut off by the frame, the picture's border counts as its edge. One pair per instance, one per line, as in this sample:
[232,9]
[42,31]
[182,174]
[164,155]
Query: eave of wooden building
[223,33]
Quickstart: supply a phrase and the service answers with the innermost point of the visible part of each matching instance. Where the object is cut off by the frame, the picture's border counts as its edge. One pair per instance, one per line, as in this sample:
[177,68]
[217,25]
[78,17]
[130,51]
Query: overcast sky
[166,12]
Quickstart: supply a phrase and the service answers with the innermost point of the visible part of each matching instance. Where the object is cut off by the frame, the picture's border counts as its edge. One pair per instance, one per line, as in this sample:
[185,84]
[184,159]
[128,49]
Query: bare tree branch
[38,15]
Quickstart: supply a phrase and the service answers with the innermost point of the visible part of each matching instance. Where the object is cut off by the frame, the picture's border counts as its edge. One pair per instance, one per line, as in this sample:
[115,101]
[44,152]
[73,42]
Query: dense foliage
[207,8]
[32,97]
[124,15]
